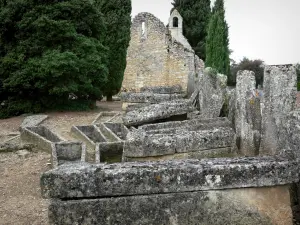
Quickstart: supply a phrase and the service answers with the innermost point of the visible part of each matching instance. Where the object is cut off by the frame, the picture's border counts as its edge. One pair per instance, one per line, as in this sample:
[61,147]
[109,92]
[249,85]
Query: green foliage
[257,66]
[298,76]
[217,42]
[118,22]
[196,14]
[49,50]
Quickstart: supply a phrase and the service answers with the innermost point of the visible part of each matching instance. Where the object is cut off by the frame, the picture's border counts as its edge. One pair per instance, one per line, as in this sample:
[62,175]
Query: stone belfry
[175,27]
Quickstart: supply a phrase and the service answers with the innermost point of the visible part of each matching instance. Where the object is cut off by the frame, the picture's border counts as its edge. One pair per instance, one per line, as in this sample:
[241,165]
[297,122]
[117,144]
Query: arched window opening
[175,22]
[143,28]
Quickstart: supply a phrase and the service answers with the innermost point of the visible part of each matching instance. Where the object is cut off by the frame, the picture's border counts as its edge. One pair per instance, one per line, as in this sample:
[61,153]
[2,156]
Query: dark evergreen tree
[117,14]
[298,76]
[217,44]
[196,14]
[49,50]
[257,66]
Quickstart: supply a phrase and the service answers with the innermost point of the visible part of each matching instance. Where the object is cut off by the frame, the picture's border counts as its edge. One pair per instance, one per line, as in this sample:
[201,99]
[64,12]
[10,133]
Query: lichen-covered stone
[212,93]
[157,112]
[32,121]
[247,114]
[148,97]
[227,152]
[84,180]
[193,124]
[279,100]
[175,89]
[292,129]
[171,141]
[255,206]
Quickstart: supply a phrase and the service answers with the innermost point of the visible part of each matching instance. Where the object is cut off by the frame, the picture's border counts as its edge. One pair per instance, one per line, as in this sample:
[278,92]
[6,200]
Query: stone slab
[32,121]
[83,180]
[212,93]
[198,123]
[148,97]
[247,114]
[203,154]
[249,206]
[141,144]
[280,89]
[156,112]
[163,89]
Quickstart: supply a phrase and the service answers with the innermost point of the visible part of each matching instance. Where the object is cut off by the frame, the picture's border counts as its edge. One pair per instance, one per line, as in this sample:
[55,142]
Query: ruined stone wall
[154,58]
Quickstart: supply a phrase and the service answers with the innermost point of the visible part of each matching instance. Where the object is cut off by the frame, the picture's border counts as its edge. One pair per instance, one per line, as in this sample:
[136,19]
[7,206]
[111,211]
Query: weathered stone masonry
[159,56]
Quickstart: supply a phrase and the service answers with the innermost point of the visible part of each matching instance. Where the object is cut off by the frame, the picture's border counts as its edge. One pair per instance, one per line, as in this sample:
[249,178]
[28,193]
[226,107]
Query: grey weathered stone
[231,98]
[247,114]
[191,208]
[279,100]
[166,142]
[66,152]
[193,124]
[84,180]
[292,129]
[23,153]
[212,93]
[15,146]
[157,112]
[40,136]
[109,152]
[175,89]
[148,97]
[32,121]
[134,106]
[226,152]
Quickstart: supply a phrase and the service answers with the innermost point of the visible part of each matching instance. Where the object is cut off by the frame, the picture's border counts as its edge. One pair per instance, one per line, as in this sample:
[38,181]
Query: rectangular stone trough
[248,191]
[68,152]
[110,116]
[90,134]
[176,140]
[105,141]
[41,136]
[118,129]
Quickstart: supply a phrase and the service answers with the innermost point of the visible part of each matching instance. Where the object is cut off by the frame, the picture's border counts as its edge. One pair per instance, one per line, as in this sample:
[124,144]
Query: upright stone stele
[212,93]
[247,114]
[279,100]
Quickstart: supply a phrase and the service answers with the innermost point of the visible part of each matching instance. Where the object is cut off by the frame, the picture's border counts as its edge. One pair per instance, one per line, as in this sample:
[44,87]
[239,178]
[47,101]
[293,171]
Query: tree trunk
[109,98]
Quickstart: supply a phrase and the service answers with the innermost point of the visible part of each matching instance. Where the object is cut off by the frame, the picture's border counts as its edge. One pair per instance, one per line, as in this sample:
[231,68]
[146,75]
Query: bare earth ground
[20,197]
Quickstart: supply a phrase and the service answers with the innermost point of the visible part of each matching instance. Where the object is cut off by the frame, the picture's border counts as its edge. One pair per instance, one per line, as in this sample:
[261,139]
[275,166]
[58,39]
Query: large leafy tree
[256,65]
[196,14]
[217,44]
[118,20]
[49,50]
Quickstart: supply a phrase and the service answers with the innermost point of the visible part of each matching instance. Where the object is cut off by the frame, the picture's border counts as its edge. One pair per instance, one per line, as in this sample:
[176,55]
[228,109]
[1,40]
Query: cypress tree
[117,15]
[196,14]
[50,50]
[217,43]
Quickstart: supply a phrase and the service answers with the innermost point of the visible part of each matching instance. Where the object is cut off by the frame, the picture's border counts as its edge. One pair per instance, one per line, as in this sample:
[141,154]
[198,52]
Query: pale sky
[258,29]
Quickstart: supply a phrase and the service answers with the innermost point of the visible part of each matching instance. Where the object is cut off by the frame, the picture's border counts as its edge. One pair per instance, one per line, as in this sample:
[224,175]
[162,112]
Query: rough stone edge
[54,158]
[84,180]
[27,136]
[110,113]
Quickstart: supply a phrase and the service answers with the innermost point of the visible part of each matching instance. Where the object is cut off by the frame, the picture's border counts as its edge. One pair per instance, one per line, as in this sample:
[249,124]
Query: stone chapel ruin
[160,55]
[217,156]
